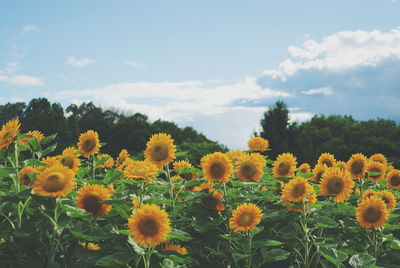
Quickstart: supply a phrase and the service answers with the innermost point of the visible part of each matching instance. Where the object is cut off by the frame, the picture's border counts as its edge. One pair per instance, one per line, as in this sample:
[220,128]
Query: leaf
[239,256]
[5,172]
[34,163]
[114,260]
[362,260]
[73,211]
[196,195]
[183,170]
[390,227]
[86,237]
[138,249]
[49,149]
[48,139]
[325,222]
[333,255]
[179,235]
[275,254]
[266,243]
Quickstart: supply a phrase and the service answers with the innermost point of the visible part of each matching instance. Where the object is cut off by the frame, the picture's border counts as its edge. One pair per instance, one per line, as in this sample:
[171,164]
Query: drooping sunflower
[304,168]
[369,193]
[357,165]
[284,165]
[123,155]
[379,158]
[149,225]
[258,144]
[89,143]
[337,182]
[34,133]
[140,170]
[23,174]
[160,149]
[109,163]
[327,159]
[376,167]
[8,133]
[187,176]
[318,171]
[216,167]
[176,248]
[245,217]
[90,246]
[393,179]
[235,155]
[389,199]
[250,167]
[70,159]
[372,213]
[213,201]
[90,196]
[297,190]
[55,181]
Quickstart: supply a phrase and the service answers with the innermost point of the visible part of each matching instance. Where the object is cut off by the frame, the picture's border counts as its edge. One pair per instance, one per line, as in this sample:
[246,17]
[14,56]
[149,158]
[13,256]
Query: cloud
[322,90]
[135,64]
[30,28]
[8,76]
[79,62]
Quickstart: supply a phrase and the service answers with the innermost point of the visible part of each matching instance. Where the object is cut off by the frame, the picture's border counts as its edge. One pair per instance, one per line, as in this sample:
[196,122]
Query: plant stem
[94,168]
[147,258]
[53,242]
[249,259]
[307,246]
[171,190]
[16,167]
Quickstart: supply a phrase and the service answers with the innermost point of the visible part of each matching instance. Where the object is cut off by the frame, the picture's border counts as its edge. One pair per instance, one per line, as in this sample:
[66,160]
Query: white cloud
[79,62]
[135,64]
[322,90]
[71,78]
[30,28]
[24,80]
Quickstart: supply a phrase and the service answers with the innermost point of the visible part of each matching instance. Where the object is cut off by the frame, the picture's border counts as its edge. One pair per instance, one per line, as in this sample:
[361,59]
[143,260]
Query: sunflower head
[140,170]
[89,143]
[149,225]
[245,217]
[70,159]
[369,193]
[23,174]
[393,179]
[90,246]
[34,133]
[160,149]
[304,168]
[250,167]
[175,248]
[216,167]
[388,198]
[318,171]
[55,181]
[123,155]
[284,165]
[327,159]
[258,144]
[337,182]
[186,176]
[372,213]
[378,167]
[90,196]
[108,163]
[235,155]
[379,158]
[297,190]
[341,164]
[357,165]
[8,133]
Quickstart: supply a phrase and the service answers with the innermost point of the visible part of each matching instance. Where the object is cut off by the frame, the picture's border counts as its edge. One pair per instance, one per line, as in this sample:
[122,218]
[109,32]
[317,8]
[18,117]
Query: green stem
[249,259]
[307,246]
[53,242]
[147,258]
[94,168]
[16,168]
[171,190]
[21,208]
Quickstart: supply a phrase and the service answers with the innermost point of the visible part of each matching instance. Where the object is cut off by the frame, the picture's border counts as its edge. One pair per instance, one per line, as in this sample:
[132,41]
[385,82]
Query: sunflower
[369,193]
[49,161]
[376,167]
[123,155]
[296,190]
[318,171]
[187,176]
[245,217]
[337,182]
[149,225]
[393,179]
[176,248]
[284,165]
[250,167]
[140,170]
[341,164]
[55,181]
[213,201]
[235,155]
[90,196]
[379,158]
[90,246]
[372,213]
[135,203]
[216,167]
[357,166]
[34,133]
[70,159]
[8,132]
[258,144]
[304,168]
[109,163]
[160,149]
[389,199]
[327,159]
[89,143]
[23,174]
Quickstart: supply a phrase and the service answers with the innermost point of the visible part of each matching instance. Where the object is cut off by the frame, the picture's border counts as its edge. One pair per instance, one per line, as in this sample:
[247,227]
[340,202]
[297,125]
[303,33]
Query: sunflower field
[239,209]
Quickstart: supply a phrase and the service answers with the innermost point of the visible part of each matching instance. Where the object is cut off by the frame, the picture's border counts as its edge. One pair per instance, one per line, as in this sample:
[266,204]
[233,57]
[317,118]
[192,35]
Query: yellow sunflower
[89,143]
[70,159]
[304,168]
[135,203]
[123,155]
[318,171]
[393,179]
[160,149]
[109,163]
[90,246]
[369,193]
[140,170]
[235,155]
[311,199]
[213,201]
[337,182]
[250,167]
[357,165]
[49,161]
[149,225]
[297,190]
[372,213]
[187,176]
[327,159]
[176,248]
[8,133]
[284,165]
[341,164]
[379,158]
[23,174]
[258,144]
[55,181]
[216,167]
[34,133]
[389,199]
[90,196]
[376,167]
[245,217]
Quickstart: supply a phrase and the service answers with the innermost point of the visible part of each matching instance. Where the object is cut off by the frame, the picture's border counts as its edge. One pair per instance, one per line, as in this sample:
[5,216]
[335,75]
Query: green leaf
[333,255]
[196,195]
[73,211]
[86,237]
[179,235]
[275,254]
[34,163]
[117,259]
[389,227]
[325,222]
[138,249]
[362,260]
[5,172]
[183,170]
[266,243]
[239,256]
[48,139]
[49,149]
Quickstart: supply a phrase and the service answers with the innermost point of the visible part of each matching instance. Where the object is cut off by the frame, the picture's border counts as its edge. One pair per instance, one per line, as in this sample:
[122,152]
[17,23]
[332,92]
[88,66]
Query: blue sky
[214,65]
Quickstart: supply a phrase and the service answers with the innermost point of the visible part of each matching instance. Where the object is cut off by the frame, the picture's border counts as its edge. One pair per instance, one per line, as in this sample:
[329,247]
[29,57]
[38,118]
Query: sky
[213,65]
